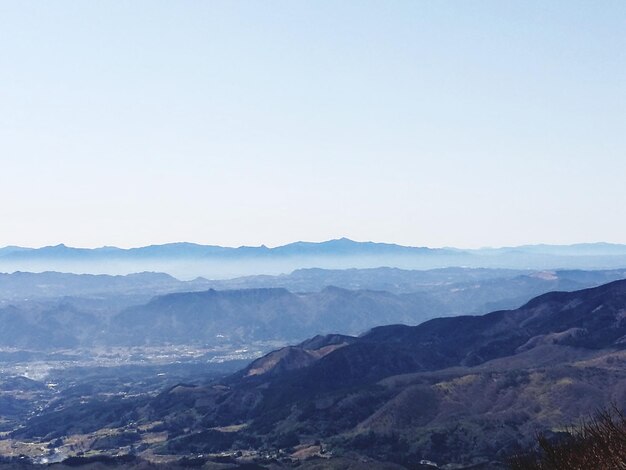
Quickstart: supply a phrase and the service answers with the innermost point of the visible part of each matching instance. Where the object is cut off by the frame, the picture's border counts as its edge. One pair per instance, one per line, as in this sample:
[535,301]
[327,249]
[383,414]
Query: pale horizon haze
[466,124]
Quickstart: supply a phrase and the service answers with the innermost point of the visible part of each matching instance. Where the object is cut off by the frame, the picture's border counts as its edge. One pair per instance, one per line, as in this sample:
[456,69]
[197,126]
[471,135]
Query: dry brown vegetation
[599,443]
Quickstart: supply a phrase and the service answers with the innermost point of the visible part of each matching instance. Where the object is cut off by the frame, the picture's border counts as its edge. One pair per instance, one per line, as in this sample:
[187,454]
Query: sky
[447,123]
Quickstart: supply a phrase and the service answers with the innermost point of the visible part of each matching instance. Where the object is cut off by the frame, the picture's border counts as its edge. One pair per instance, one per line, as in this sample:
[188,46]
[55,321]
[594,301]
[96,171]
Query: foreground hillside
[458,391]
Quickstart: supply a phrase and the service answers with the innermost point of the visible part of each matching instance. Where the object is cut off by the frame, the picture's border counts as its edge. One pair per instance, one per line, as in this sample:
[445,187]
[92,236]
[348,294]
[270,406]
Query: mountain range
[40,311]
[188,260]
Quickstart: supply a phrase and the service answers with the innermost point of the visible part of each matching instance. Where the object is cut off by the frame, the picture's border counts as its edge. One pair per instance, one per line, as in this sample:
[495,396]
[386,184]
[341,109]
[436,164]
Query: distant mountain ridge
[189,260]
[337,246]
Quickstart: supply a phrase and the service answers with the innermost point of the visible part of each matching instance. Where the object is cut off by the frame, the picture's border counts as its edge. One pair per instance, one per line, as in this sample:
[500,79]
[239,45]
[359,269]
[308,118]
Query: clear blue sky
[465,123]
